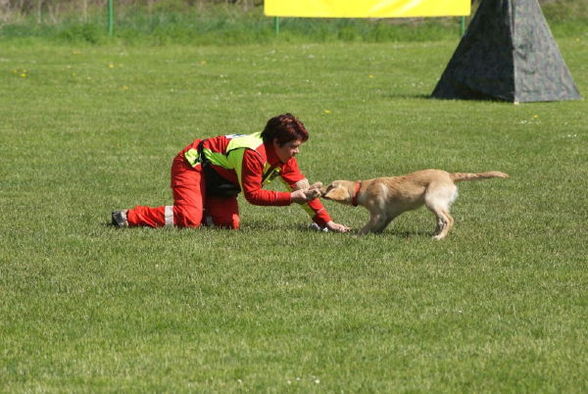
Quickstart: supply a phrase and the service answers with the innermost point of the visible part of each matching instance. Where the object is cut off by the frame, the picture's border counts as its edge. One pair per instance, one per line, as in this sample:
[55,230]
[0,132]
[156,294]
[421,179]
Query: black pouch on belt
[216,185]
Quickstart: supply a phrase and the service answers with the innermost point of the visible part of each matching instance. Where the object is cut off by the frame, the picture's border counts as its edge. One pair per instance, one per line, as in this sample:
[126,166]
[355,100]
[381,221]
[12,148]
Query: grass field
[499,306]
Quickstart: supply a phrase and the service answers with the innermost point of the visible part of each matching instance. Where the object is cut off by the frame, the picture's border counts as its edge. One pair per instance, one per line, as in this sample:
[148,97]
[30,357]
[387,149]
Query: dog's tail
[468,176]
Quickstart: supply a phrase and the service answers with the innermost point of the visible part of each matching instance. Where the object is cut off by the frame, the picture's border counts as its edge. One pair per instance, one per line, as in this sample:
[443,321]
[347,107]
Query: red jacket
[258,161]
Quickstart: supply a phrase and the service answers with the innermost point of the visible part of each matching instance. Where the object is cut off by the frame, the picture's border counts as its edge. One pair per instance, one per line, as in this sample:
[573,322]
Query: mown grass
[500,306]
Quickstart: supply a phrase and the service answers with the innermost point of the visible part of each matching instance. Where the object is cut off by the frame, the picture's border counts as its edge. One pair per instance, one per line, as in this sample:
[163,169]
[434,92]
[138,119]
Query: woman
[207,175]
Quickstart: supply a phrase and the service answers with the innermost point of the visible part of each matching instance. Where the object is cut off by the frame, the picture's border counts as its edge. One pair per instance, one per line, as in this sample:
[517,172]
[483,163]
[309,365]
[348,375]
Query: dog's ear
[337,193]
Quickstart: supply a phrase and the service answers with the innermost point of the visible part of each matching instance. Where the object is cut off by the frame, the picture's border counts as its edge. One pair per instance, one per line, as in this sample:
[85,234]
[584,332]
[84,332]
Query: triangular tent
[507,53]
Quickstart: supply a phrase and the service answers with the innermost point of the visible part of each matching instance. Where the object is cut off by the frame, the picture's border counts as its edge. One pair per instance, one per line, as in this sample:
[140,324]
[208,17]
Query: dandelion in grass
[327,111]
[21,73]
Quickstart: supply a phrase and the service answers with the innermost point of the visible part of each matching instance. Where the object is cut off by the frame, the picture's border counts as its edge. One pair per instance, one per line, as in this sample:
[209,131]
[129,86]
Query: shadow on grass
[412,234]
[385,234]
[407,96]
[299,227]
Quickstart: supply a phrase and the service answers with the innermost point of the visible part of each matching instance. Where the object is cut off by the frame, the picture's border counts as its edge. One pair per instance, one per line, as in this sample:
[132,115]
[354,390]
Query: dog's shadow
[404,235]
[354,233]
[411,234]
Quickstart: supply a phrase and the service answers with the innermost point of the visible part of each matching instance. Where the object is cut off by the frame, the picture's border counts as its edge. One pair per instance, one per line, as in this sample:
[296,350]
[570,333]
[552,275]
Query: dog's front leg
[376,224]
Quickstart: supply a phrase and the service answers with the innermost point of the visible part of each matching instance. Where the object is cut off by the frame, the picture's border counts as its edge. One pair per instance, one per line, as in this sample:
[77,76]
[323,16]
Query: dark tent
[507,53]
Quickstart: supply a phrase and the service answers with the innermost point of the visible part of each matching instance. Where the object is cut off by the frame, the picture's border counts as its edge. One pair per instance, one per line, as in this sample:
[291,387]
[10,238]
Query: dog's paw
[311,193]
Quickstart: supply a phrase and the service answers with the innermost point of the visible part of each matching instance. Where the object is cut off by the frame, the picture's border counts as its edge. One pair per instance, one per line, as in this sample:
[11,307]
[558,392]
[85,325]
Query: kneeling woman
[207,175]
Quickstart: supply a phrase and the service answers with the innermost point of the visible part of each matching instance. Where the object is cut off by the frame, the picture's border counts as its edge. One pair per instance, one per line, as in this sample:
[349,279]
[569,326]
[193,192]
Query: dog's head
[339,191]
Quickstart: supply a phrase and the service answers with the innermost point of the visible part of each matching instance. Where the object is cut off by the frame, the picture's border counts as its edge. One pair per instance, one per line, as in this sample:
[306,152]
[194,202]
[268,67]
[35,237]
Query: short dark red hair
[284,128]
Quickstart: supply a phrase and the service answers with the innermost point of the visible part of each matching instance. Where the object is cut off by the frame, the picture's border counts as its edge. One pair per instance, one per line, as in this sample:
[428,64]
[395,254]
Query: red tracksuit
[192,207]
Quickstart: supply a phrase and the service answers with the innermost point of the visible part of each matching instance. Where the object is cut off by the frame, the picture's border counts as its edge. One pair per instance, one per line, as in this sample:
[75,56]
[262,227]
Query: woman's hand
[338,228]
[301,196]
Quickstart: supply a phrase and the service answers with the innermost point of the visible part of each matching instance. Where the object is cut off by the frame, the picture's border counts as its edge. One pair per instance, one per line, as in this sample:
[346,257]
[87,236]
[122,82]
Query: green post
[462,25]
[277,24]
[110,17]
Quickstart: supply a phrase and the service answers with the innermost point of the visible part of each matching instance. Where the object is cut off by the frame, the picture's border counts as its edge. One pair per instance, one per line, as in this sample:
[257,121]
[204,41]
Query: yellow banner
[366,8]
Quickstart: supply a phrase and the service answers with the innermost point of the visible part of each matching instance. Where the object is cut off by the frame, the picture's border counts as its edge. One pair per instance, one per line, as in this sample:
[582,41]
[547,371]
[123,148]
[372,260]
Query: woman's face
[288,150]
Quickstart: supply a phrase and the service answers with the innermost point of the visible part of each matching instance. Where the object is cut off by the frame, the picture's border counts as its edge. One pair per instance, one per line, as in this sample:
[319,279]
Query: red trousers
[192,208]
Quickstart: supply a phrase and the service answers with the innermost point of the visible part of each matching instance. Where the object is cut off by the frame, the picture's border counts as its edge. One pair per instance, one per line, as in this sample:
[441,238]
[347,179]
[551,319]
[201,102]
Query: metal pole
[110,17]
[277,24]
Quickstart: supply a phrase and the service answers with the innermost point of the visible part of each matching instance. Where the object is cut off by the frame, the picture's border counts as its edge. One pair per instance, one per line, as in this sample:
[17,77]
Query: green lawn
[499,306]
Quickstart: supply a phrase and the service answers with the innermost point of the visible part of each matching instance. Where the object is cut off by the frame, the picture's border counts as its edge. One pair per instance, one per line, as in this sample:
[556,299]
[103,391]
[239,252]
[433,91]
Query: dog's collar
[356,193]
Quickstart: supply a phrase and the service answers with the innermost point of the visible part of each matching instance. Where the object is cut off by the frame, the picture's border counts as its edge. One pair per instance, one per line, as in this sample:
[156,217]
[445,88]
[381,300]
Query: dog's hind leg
[439,199]
[444,224]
